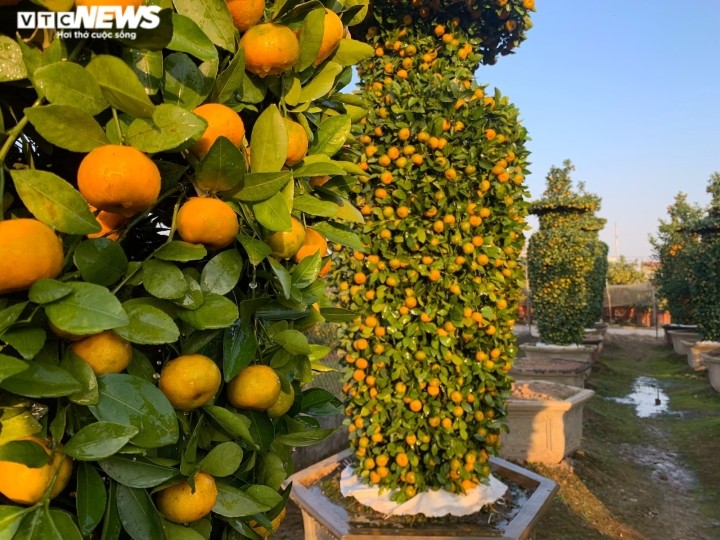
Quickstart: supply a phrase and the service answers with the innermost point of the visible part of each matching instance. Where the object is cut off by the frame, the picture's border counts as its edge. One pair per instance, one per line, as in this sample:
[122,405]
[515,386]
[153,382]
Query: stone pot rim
[551,347]
[571,366]
[579,397]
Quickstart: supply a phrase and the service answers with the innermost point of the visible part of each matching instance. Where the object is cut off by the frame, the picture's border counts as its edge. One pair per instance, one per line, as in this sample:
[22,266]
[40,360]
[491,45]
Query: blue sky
[629,90]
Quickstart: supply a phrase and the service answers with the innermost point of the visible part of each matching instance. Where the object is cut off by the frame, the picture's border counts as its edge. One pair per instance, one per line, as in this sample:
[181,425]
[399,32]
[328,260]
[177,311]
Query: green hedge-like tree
[672,247]
[567,264]
[438,284]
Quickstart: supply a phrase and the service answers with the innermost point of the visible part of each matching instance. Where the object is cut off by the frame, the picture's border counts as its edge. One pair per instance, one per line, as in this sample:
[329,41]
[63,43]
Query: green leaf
[234,424]
[216,312]
[283,277]
[222,168]
[331,135]
[170,128]
[99,440]
[136,471]
[54,201]
[273,213]
[256,249]
[84,374]
[180,251]
[45,291]
[304,438]
[213,18]
[68,83]
[184,83]
[348,212]
[132,401]
[292,341]
[138,515]
[151,39]
[163,279]
[309,169]
[314,206]
[147,66]
[188,37]
[148,325]
[223,460]
[311,37]
[269,141]
[10,315]
[340,234]
[56,525]
[232,502]
[10,516]
[17,422]
[339,315]
[26,452]
[239,348]
[262,186]
[222,272]
[120,85]
[26,341]
[111,526]
[193,297]
[89,309]
[307,271]
[265,495]
[10,366]
[230,81]
[271,470]
[100,261]
[41,380]
[322,83]
[12,67]
[351,52]
[90,499]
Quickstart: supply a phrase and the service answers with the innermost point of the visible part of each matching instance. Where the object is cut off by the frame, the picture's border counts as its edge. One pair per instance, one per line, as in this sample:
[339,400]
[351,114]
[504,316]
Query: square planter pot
[713,366]
[582,353]
[683,339]
[696,354]
[557,370]
[668,329]
[544,430]
[324,519]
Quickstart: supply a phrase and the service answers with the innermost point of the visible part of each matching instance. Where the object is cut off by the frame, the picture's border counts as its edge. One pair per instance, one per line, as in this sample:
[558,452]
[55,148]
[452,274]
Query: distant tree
[672,247]
[621,272]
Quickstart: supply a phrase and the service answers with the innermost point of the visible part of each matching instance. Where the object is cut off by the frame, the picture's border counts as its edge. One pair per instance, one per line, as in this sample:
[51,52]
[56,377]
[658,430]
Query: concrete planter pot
[557,370]
[669,328]
[545,430]
[601,327]
[713,366]
[581,353]
[683,339]
[697,352]
[324,519]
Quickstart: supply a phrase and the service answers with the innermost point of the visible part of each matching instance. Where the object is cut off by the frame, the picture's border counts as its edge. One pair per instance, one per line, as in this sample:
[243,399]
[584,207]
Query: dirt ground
[645,471]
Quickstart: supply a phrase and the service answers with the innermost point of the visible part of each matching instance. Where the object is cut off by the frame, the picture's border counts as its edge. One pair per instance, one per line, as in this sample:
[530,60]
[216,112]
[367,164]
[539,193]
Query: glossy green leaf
[84,374]
[10,315]
[271,470]
[351,52]
[41,380]
[261,428]
[264,494]
[163,279]
[88,309]
[309,169]
[340,234]
[90,499]
[148,67]
[273,213]
[314,206]
[17,422]
[174,531]
[184,83]
[10,366]
[111,526]
[68,83]
[348,212]
[99,440]
[151,39]
[180,251]
[292,341]
[311,37]
[256,249]
[269,141]
[213,18]
[138,515]
[26,452]
[216,312]
[100,261]
[12,67]
[232,502]
[136,471]
[229,81]
[48,524]
[54,201]
[26,341]
[338,315]
[283,277]
[331,135]
[10,518]
[148,325]
[222,169]
[128,400]
[188,37]
[262,186]
[304,438]
[223,460]
[222,272]
[236,425]
[120,85]
[239,348]
[193,297]
[307,271]
[169,128]
[45,291]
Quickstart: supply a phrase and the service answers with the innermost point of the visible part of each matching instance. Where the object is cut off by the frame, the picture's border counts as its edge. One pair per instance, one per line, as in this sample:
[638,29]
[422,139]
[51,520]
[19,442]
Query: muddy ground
[655,476]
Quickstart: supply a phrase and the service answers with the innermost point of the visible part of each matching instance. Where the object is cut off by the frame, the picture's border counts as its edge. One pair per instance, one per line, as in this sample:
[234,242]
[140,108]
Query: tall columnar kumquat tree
[167,198]
[673,248]
[437,286]
[567,264]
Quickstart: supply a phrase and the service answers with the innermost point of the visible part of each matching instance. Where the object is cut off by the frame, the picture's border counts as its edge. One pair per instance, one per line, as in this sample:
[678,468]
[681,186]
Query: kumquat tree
[167,199]
[567,264]
[438,285]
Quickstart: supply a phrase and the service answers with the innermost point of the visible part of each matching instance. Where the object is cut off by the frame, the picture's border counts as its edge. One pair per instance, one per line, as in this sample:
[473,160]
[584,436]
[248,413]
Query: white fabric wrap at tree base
[431,503]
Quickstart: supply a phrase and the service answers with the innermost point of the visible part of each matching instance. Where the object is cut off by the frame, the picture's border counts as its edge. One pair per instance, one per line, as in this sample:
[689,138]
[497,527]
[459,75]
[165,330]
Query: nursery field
[642,473]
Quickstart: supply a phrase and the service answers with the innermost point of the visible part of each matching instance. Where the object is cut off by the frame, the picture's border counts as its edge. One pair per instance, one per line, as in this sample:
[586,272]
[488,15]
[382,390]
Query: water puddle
[647,397]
